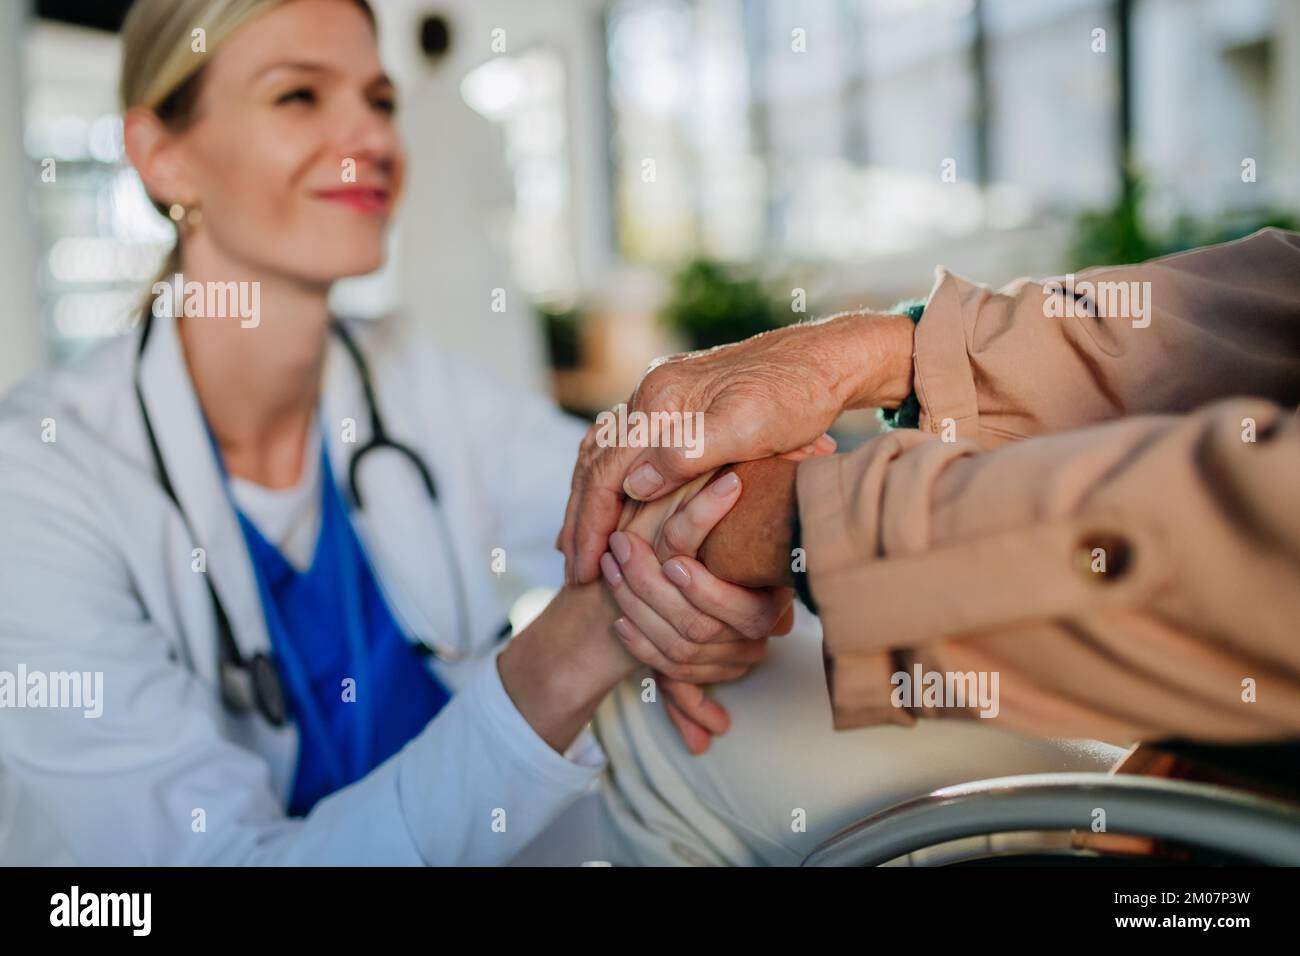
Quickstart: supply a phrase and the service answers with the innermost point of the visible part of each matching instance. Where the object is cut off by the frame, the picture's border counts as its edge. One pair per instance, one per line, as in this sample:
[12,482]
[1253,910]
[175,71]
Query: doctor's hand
[716,635]
[715,612]
[558,669]
[769,394]
[718,639]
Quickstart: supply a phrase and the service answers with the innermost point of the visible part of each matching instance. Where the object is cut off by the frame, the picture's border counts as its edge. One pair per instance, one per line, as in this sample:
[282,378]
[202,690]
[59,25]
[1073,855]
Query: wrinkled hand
[764,396]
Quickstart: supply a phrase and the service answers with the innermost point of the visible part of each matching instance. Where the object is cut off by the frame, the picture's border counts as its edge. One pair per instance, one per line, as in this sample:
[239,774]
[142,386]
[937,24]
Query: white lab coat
[96,574]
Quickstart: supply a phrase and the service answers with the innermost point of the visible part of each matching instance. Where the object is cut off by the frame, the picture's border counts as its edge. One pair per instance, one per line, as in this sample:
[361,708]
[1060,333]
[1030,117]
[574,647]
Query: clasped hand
[691,626]
[768,397]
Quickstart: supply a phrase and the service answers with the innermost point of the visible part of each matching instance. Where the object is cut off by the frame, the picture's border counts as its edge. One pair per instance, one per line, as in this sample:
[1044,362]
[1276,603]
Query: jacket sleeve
[1166,336]
[1132,580]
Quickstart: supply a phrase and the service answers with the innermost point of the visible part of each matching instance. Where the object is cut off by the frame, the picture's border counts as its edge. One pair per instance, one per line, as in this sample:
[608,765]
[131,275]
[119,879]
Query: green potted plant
[1118,235]
[562,328]
[712,304]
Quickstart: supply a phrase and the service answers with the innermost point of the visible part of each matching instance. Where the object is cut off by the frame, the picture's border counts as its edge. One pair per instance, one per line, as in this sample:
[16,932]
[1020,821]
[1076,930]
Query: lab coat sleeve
[154,778]
[523,447]
[521,784]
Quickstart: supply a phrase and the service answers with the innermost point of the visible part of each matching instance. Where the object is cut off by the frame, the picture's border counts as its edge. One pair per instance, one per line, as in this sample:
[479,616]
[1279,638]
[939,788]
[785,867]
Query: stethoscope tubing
[265,686]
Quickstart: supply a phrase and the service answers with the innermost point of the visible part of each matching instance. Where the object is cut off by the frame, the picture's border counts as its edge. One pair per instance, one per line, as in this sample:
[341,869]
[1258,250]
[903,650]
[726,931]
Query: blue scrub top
[328,624]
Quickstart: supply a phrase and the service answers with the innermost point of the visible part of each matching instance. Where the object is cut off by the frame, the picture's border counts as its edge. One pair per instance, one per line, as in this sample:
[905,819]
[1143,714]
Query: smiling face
[292,155]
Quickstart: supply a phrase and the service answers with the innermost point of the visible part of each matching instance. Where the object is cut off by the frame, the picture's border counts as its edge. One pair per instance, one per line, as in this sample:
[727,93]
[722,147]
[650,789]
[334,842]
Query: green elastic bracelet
[908,414]
[801,585]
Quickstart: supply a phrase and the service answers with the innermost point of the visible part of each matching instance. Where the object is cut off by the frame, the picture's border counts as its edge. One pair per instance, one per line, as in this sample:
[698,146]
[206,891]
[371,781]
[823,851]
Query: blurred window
[100,240]
[525,95]
[822,129]
[816,129]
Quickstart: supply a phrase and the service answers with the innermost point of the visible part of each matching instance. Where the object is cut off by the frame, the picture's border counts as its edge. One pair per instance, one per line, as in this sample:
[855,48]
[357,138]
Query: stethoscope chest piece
[254,684]
[268,690]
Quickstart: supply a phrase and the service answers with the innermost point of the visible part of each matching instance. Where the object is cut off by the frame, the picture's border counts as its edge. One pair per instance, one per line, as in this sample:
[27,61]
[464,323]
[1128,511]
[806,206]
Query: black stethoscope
[255,683]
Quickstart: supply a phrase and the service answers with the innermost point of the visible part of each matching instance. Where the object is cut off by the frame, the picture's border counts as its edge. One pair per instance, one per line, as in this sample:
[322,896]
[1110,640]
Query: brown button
[1103,557]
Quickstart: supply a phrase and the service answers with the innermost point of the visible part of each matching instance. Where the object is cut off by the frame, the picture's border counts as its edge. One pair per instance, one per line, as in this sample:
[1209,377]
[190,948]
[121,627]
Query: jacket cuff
[857,682]
[860,689]
[943,379]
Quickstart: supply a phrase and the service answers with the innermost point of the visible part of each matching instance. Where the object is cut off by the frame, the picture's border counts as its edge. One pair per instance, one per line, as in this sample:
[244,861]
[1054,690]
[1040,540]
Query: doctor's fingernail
[642,482]
[725,485]
[621,547]
[677,573]
[609,568]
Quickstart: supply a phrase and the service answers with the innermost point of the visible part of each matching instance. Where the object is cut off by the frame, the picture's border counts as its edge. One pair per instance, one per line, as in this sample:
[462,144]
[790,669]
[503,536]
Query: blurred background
[597,182]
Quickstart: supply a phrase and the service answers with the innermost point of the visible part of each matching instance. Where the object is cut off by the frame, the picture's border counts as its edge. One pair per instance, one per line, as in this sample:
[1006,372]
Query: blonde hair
[162,71]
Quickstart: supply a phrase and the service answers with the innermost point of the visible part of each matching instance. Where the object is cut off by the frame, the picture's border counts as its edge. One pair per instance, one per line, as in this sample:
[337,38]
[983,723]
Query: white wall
[451,235]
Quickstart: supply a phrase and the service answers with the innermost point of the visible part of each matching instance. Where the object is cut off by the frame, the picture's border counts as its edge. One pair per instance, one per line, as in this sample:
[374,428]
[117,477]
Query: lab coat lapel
[186,451]
[397,527]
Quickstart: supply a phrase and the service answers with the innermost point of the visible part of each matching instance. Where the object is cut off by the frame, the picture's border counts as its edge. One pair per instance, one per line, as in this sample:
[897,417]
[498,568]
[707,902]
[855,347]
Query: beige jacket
[1131,573]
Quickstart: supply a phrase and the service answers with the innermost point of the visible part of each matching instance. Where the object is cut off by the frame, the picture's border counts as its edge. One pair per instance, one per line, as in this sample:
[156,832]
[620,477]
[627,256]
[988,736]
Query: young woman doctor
[256,534]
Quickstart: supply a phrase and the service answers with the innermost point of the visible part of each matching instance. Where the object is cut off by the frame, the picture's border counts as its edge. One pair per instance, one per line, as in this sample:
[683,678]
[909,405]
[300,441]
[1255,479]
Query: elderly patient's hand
[766,395]
[691,626]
